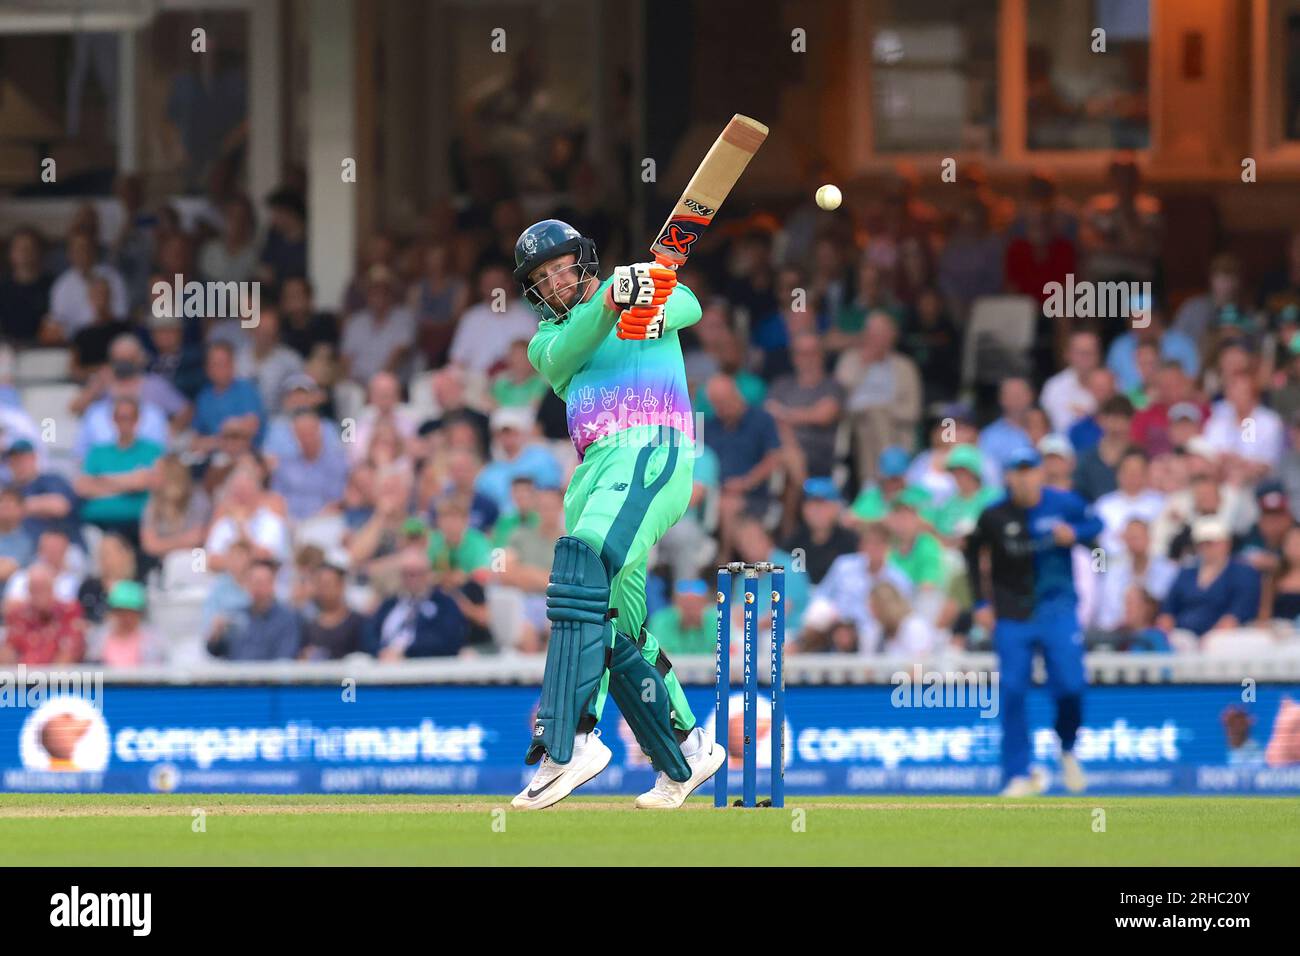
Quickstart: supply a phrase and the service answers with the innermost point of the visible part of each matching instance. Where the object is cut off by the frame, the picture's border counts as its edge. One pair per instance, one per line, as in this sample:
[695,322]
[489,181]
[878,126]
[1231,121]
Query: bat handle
[666,262]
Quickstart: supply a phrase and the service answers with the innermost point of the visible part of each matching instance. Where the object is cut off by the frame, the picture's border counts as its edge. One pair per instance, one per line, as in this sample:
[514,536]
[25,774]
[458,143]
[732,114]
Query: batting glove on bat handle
[641,322]
[643,284]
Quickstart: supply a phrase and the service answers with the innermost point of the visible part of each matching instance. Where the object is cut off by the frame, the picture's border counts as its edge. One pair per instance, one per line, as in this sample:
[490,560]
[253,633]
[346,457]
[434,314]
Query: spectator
[386,406]
[486,329]
[312,477]
[1261,546]
[25,291]
[1132,498]
[839,613]
[1282,596]
[42,628]
[728,358]
[266,362]
[226,397]
[525,568]
[53,552]
[336,630]
[875,500]
[1065,397]
[16,546]
[451,389]
[1290,470]
[284,253]
[517,384]
[49,503]
[1216,591]
[228,595]
[805,405]
[127,374]
[1008,434]
[266,631]
[374,549]
[933,342]
[1094,474]
[175,360]
[914,551]
[1152,426]
[689,624]
[515,453]
[1122,228]
[379,337]
[956,516]
[461,559]
[118,477]
[1205,497]
[872,295]
[970,265]
[1086,432]
[114,562]
[1037,257]
[462,471]
[954,426]
[126,382]
[124,641]
[1243,430]
[302,328]
[437,298]
[820,535]
[1135,565]
[1058,462]
[419,620]
[1172,346]
[1200,316]
[177,513]
[244,511]
[883,393]
[90,342]
[71,308]
[233,256]
[901,631]
[745,439]
[380,250]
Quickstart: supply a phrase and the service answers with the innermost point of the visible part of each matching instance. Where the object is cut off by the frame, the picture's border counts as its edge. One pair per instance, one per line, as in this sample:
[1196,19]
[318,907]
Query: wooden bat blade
[704,194]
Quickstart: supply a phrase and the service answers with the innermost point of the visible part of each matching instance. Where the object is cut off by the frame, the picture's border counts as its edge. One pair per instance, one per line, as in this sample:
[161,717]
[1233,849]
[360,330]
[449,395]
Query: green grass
[131,829]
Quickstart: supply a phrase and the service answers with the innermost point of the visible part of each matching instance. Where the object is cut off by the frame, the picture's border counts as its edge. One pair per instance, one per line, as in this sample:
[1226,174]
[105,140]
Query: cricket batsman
[1022,578]
[610,350]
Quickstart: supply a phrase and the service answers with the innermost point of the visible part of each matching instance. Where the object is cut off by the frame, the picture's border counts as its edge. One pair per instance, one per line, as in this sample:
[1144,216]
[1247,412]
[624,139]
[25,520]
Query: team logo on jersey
[1013,528]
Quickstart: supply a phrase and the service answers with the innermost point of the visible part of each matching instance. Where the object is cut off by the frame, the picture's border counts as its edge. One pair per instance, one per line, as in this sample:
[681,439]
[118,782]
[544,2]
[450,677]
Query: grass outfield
[127,829]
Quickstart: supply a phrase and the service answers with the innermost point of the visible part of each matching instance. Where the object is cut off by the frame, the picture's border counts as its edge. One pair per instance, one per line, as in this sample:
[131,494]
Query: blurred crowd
[385,474]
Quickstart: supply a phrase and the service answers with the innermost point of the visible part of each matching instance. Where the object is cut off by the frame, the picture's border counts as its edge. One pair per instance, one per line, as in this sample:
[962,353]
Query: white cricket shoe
[703,756]
[554,781]
[1031,785]
[1072,774]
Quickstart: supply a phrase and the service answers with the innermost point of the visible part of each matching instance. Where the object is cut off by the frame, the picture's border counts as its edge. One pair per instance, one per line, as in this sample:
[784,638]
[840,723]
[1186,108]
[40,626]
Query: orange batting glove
[641,322]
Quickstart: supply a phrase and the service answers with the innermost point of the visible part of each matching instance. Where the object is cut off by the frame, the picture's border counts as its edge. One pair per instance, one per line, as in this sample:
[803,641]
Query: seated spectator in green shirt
[518,384]
[956,517]
[729,353]
[525,567]
[461,558]
[917,553]
[690,624]
[523,493]
[118,476]
[874,501]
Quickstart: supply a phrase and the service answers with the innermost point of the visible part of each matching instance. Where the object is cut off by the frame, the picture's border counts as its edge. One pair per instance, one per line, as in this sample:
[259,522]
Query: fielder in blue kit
[1022,577]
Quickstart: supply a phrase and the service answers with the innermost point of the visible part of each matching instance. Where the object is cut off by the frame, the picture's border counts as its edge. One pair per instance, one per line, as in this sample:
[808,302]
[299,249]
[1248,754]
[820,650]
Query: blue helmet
[546,240]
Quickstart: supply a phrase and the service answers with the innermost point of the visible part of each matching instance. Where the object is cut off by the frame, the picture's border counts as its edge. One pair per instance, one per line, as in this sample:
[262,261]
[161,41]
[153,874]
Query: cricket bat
[710,185]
